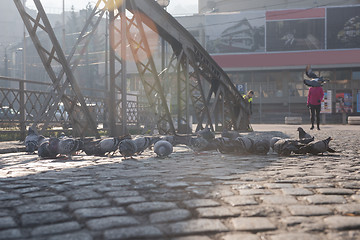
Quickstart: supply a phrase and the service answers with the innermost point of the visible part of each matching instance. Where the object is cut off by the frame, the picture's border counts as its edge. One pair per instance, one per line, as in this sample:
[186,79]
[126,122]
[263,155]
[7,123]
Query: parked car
[8,113]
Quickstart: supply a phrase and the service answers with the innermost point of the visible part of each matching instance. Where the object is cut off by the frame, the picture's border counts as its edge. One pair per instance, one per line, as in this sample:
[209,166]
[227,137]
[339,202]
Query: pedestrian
[249,99]
[314,99]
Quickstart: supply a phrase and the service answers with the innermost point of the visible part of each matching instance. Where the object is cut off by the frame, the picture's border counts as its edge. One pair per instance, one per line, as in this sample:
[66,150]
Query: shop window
[355,75]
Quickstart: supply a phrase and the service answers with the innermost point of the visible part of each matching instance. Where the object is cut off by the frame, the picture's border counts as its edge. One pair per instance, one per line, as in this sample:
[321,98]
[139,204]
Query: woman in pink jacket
[314,99]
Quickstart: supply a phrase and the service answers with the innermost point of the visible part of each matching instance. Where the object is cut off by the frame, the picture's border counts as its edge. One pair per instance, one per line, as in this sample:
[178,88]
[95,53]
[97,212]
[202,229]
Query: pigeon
[127,148]
[206,133]
[108,145]
[261,147]
[163,148]
[45,149]
[315,81]
[318,147]
[69,146]
[287,146]
[273,140]
[92,147]
[200,144]
[303,134]
[227,145]
[246,143]
[144,143]
[32,141]
[230,134]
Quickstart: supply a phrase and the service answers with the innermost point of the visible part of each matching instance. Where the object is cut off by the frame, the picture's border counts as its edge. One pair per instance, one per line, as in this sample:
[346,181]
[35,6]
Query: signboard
[343,102]
[358,102]
[326,104]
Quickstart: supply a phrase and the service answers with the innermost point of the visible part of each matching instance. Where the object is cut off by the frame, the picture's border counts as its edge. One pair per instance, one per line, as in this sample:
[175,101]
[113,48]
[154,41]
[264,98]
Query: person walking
[314,99]
[249,99]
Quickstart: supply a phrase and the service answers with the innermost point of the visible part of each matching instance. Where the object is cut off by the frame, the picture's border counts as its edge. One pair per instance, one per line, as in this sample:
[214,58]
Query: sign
[343,102]
[326,104]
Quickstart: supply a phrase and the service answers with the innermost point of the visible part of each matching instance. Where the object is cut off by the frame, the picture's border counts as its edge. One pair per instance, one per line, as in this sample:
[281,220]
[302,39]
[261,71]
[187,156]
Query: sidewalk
[187,196]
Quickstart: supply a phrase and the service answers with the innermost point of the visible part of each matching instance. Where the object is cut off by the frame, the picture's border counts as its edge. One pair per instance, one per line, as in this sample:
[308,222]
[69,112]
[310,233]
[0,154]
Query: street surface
[187,196]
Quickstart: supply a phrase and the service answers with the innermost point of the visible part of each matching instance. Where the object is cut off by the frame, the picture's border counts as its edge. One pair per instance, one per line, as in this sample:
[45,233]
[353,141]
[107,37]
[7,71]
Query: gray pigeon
[199,144]
[315,81]
[246,143]
[318,147]
[230,134]
[206,133]
[163,148]
[32,141]
[261,147]
[143,143]
[108,145]
[303,134]
[227,145]
[127,148]
[287,146]
[69,146]
[92,147]
[45,149]
[273,140]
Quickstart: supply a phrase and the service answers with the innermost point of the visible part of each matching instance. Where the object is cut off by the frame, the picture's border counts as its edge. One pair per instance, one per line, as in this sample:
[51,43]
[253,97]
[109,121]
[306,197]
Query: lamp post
[163,4]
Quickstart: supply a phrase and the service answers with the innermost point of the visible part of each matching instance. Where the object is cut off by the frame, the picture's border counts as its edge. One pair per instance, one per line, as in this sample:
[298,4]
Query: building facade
[267,49]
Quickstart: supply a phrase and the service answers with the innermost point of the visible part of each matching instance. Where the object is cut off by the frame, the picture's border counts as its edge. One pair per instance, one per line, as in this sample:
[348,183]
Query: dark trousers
[315,112]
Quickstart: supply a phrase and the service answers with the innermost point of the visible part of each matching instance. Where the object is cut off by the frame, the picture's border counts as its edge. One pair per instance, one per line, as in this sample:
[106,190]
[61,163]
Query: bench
[293,120]
[354,120]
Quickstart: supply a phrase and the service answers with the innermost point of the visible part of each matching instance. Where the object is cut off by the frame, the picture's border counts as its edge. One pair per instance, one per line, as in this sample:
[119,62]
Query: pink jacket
[315,96]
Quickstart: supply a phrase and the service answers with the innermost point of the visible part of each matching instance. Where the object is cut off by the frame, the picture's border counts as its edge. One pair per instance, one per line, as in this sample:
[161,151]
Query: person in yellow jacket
[249,99]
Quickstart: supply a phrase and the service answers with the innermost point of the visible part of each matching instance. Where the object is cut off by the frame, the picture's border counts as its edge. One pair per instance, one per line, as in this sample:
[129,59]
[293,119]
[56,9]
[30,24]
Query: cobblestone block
[278,185]
[169,216]
[242,236]
[278,199]
[55,228]
[151,207]
[50,199]
[30,208]
[308,210]
[254,192]
[342,222]
[7,222]
[356,197]
[254,224]
[26,190]
[89,203]
[31,219]
[122,194]
[293,221]
[325,199]
[197,226]
[195,203]
[133,233]
[10,234]
[335,191]
[295,236]
[176,184]
[214,212]
[9,196]
[192,238]
[82,194]
[99,212]
[240,200]
[73,236]
[297,191]
[111,222]
[350,209]
[129,200]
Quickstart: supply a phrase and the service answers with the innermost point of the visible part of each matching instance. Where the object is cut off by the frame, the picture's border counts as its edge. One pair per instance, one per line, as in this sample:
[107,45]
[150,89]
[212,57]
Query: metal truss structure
[203,88]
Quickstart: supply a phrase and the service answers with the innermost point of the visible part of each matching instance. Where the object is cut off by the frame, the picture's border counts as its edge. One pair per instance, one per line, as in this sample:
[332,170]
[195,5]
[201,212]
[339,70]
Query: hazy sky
[176,7]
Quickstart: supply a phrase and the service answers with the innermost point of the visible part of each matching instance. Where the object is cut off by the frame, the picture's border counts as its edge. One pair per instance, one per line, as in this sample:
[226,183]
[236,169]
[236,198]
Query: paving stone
[192,238]
[89,203]
[10,234]
[7,222]
[55,228]
[50,199]
[214,212]
[254,224]
[349,209]
[30,208]
[151,207]
[240,200]
[122,193]
[133,233]
[325,199]
[242,236]
[297,191]
[254,192]
[293,221]
[278,185]
[72,236]
[169,216]
[82,194]
[344,235]
[356,197]
[342,222]
[197,226]
[278,199]
[176,184]
[129,200]
[194,203]
[309,210]
[99,212]
[111,222]
[9,196]
[27,190]
[295,236]
[31,219]
[335,191]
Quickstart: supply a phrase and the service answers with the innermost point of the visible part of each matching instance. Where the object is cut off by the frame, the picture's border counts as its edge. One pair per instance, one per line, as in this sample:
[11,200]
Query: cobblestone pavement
[187,196]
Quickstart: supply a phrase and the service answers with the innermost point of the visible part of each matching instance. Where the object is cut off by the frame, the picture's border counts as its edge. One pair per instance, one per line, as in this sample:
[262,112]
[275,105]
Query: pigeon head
[273,141]
[53,144]
[31,146]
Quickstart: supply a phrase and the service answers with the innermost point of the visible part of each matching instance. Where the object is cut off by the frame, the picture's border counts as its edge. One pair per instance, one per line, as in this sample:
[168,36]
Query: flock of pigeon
[230,142]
